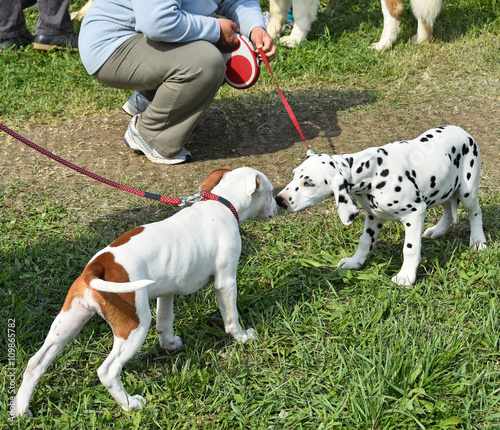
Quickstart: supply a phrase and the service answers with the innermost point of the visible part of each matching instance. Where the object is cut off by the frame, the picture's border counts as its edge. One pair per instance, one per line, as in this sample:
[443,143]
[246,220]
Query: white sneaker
[136,104]
[134,140]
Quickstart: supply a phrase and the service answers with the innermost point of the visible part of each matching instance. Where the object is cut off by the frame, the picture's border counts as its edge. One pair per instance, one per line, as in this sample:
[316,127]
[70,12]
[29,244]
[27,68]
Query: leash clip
[190,199]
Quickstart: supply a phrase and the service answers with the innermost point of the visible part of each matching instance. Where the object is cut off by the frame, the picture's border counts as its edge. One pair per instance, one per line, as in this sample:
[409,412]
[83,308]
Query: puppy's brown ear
[213,179]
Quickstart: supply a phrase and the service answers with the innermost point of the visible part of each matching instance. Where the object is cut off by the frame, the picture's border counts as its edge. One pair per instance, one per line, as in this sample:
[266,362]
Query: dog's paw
[434,232]
[404,279]
[381,45]
[249,334]
[290,41]
[134,402]
[171,346]
[350,264]
[24,414]
[478,245]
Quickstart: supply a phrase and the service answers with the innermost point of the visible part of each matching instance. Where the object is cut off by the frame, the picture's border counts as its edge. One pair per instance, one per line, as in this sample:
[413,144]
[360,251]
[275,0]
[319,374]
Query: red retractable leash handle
[285,102]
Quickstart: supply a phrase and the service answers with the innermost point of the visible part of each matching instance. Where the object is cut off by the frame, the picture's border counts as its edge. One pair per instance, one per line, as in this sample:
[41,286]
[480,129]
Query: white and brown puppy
[305,11]
[178,255]
[398,181]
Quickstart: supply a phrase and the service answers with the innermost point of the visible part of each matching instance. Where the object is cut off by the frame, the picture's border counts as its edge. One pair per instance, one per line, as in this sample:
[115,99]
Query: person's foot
[136,104]
[15,42]
[63,41]
[134,140]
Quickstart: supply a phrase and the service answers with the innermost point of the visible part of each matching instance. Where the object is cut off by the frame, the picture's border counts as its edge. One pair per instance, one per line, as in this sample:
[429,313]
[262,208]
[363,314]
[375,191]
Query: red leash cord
[285,102]
[163,199]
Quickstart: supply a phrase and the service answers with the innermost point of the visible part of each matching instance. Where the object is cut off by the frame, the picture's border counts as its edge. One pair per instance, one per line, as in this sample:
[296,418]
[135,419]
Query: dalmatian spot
[384,173]
[465,149]
[370,232]
[371,217]
[453,149]
[379,226]
[408,224]
[380,185]
[360,168]
[433,181]
[409,245]
[468,176]
[430,136]
[424,139]
[400,178]
[380,160]
[434,194]
[472,163]
[466,195]
[457,160]
[367,165]
[332,164]
[383,151]
[350,160]
[397,189]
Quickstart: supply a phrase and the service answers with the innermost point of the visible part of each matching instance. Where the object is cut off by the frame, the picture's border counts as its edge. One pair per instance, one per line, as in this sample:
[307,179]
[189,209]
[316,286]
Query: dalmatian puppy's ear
[346,207]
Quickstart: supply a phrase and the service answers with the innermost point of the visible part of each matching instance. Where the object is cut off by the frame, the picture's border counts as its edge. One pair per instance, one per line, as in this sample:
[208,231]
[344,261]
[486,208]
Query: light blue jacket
[109,23]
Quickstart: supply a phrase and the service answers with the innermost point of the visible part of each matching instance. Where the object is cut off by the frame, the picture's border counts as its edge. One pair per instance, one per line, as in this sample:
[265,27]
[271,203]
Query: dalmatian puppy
[398,182]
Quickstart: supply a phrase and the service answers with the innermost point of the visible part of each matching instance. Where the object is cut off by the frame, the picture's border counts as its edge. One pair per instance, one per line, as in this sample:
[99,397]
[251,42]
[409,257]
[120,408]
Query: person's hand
[261,39]
[228,30]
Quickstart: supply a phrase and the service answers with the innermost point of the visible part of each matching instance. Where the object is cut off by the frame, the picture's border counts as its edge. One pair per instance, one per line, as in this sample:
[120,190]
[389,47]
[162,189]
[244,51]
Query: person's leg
[54,26]
[54,19]
[186,77]
[13,31]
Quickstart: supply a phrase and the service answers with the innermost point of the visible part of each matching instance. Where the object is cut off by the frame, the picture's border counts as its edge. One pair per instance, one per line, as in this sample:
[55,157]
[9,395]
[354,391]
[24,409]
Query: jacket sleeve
[164,20]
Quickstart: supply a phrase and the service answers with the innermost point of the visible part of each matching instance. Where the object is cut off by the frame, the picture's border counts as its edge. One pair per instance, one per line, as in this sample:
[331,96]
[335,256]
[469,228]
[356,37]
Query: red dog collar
[206,195]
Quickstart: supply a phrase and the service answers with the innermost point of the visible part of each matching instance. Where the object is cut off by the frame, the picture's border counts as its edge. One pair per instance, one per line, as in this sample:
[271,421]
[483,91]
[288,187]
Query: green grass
[336,348]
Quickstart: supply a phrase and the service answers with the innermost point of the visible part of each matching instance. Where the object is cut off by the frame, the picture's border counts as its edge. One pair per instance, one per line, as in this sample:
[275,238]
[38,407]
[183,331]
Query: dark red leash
[283,98]
[178,201]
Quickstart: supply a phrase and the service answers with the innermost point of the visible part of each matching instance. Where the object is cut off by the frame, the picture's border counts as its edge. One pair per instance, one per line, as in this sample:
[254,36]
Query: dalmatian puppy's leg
[165,323]
[367,241]
[442,226]
[414,225]
[468,194]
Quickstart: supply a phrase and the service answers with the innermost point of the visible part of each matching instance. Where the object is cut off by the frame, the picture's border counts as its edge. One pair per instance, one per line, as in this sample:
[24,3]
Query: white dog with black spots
[398,181]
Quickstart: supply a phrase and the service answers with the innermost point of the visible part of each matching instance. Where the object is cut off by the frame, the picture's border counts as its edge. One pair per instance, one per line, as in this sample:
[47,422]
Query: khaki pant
[180,79]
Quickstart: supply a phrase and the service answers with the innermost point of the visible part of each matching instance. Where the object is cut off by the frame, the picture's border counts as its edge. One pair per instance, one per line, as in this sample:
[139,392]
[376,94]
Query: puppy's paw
[249,334]
[478,244]
[134,402]
[24,414]
[434,232]
[404,279]
[350,264]
[173,345]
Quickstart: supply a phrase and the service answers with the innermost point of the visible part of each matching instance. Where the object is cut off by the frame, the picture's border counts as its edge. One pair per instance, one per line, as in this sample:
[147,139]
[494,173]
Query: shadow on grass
[254,125]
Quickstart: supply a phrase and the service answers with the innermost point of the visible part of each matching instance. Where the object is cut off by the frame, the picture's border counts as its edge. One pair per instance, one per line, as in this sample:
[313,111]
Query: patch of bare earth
[257,135]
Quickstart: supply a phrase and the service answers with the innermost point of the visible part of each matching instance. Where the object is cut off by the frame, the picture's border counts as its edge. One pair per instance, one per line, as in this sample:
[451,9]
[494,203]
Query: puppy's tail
[119,287]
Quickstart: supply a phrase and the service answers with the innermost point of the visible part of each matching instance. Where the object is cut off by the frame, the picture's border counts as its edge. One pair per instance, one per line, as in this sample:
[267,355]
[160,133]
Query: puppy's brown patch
[118,309]
[213,179]
[126,237]
[395,8]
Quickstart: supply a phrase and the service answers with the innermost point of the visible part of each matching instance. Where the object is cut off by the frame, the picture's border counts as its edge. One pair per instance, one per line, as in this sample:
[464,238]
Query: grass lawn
[336,348]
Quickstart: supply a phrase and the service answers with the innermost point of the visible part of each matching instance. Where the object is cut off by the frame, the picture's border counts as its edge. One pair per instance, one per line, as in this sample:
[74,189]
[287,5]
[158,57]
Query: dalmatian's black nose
[280,201]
